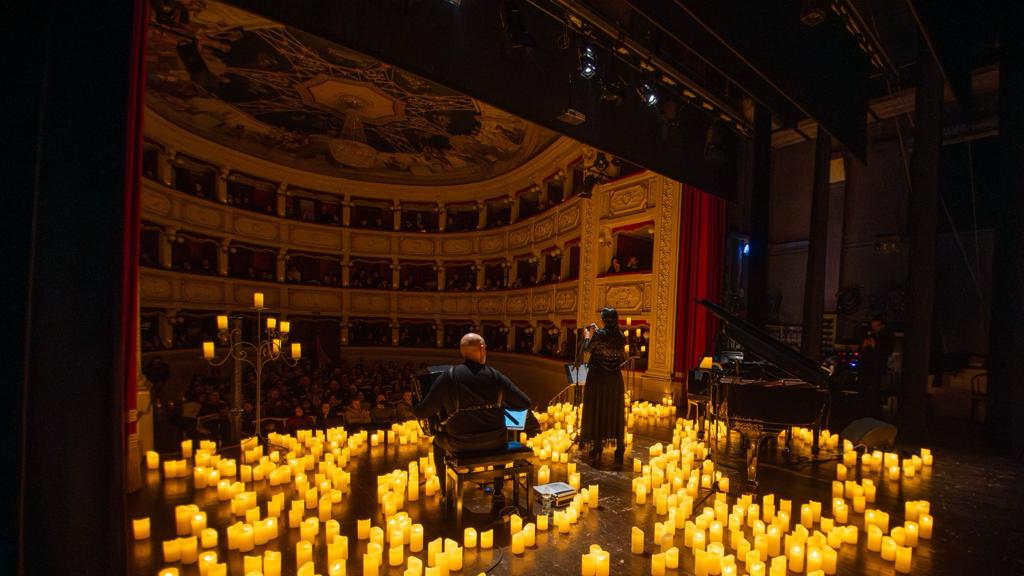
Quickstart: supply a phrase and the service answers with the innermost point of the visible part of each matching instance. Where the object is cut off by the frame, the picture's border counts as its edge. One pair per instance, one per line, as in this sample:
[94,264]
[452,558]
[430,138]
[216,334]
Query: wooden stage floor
[975,501]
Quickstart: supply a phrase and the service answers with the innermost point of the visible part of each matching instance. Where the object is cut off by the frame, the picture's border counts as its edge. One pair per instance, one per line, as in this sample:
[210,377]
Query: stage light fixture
[588,62]
[649,94]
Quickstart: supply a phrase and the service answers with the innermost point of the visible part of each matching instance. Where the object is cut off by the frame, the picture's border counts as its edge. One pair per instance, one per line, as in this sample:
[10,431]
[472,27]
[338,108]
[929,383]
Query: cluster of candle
[650,410]
[803,440]
[895,468]
[596,562]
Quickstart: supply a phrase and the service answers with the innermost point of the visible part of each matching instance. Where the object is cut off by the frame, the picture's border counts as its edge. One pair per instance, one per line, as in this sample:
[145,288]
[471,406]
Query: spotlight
[588,62]
[649,94]
[601,161]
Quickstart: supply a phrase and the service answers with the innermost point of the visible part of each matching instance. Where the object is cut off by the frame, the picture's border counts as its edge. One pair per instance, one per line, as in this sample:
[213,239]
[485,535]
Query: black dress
[604,394]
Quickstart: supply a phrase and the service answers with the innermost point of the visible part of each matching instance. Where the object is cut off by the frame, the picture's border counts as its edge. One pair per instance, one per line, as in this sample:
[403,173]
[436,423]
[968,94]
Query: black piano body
[760,399]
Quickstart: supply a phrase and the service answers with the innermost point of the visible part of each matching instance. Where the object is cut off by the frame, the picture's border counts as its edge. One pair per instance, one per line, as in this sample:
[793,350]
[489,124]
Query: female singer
[604,394]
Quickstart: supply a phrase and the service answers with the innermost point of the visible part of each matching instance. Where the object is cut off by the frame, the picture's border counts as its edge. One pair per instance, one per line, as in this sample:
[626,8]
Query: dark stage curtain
[130,254]
[702,242]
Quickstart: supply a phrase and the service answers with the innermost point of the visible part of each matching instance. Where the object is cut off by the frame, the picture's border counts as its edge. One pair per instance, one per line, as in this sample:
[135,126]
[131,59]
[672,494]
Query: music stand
[576,376]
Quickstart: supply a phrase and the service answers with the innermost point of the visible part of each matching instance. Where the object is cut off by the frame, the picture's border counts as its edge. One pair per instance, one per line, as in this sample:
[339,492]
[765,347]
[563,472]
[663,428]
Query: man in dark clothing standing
[874,363]
[471,399]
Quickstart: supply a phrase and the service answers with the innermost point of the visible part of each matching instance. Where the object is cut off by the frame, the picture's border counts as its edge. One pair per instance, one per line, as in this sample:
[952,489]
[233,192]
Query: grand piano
[762,398]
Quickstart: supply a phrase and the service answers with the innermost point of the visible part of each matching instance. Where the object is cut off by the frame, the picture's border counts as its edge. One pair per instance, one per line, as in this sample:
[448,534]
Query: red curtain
[130,254]
[701,250]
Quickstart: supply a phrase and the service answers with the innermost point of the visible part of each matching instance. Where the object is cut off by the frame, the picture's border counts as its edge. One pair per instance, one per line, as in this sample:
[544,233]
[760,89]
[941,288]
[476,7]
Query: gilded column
[167,239]
[222,257]
[282,199]
[657,381]
[221,187]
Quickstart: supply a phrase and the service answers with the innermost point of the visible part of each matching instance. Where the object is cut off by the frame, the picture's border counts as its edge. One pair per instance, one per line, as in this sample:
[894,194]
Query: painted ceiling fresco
[288,97]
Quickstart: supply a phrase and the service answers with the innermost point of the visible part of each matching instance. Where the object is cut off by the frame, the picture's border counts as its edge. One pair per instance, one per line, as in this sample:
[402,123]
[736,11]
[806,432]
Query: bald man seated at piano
[471,399]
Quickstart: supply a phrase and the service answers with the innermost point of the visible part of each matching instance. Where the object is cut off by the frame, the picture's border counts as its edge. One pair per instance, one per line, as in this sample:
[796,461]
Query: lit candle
[925,524]
[172,550]
[416,538]
[756,569]
[888,548]
[840,472]
[208,350]
[140,528]
[487,539]
[518,543]
[587,566]
[189,550]
[396,555]
[206,560]
[515,523]
[806,516]
[641,493]
[592,496]
[469,537]
[303,552]
[602,560]
[285,327]
[543,474]
[627,348]
[829,560]
[271,563]
[637,541]
[363,528]
[874,538]
[152,460]
[904,555]
[222,322]
[894,472]
[275,345]
[257,300]
[629,321]
[814,560]
[296,350]
[208,538]
[795,558]
[371,565]
[658,564]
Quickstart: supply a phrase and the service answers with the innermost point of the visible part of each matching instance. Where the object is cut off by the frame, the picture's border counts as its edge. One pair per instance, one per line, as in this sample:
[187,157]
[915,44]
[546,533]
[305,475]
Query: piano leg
[754,444]
[814,443]
[788,448]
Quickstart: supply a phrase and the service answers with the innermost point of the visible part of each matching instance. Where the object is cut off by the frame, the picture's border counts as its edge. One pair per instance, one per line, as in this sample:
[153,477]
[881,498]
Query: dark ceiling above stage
[286,96]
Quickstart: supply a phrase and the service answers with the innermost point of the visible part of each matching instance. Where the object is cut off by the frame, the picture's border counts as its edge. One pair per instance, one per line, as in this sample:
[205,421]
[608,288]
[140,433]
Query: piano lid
[756,341]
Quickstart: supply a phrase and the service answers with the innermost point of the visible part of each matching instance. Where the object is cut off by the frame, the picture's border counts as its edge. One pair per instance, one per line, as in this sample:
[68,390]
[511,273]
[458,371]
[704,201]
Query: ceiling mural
[285,96]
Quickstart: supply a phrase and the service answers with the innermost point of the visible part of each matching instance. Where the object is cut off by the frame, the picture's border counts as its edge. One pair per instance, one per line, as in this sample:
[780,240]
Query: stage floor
[974,501]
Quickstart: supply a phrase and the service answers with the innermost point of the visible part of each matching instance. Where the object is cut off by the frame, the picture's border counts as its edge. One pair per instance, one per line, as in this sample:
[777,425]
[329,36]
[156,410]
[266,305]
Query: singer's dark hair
[610,317]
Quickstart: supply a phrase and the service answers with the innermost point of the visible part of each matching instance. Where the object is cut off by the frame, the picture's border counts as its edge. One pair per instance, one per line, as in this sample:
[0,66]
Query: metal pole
[236,386]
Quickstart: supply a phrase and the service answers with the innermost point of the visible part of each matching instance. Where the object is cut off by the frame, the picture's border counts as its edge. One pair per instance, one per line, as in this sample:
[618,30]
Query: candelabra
[636,353]
[268,347]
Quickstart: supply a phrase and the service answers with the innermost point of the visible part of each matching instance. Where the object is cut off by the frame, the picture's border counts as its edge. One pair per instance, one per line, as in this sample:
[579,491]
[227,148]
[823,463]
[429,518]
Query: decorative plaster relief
[154,287]
[316,300]
[416,304]
[203,216]
[541,303]
[543,229]
[519,237]
[318,238]
[155,202]
[257,228]
[568,218]
[517,304]
[665,271]
[627,200]
[193,291]
[490,244]
[373,244]
[624,296]
[369,303]
[457,305]
[490,305]
[415,246]
[565,300]
[458,246]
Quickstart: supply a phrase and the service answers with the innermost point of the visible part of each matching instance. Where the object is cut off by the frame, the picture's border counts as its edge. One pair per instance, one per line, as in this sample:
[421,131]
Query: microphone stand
[576,393]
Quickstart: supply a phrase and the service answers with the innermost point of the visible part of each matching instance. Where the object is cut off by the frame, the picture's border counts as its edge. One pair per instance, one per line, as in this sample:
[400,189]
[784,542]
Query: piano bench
[509,461]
